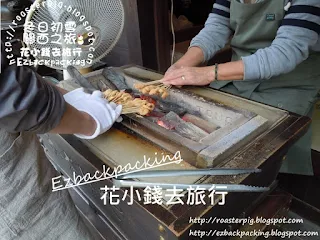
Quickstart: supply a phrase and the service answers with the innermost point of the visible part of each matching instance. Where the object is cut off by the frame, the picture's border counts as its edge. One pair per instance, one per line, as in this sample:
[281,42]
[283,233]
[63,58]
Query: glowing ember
[165,124]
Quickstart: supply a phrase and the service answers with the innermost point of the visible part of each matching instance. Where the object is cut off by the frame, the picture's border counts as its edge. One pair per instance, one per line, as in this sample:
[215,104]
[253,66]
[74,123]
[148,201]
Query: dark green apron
[255,26]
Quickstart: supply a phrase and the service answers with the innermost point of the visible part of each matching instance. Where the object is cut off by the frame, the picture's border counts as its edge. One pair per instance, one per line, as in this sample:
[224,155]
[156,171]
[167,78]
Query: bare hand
[172,68]
[198,76]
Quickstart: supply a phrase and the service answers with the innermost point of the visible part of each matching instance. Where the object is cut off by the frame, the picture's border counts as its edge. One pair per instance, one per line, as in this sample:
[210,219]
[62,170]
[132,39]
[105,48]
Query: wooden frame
[139,221]
[154,221]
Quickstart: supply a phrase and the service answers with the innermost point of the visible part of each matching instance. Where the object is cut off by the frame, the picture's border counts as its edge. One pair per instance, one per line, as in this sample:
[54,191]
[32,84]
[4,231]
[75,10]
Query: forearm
[202,76]
[212,38]
[216,33]
[193,57]
[231,71]
[75,122]
[28,103]
[61,90]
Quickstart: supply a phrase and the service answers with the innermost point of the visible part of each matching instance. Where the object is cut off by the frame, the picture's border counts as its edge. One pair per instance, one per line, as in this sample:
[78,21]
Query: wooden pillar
[162,32]
[155,34]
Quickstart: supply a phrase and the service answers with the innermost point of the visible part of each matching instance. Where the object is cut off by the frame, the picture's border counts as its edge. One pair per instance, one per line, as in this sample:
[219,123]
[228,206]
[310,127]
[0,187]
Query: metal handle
[200,172]
[217,187]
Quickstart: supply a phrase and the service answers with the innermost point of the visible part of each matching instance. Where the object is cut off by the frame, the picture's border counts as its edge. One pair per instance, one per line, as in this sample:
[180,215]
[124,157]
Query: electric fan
[60,33]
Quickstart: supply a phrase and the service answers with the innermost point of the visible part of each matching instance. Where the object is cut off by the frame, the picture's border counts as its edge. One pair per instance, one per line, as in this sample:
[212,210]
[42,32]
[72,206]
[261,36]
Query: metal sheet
[108,148]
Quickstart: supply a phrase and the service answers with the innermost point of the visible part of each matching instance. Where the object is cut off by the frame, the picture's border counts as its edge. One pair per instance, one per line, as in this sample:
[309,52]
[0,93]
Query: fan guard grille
[80,32]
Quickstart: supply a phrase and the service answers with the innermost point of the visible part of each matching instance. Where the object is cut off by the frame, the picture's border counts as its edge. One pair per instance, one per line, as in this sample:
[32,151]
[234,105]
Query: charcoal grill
[248,135]
[236,127]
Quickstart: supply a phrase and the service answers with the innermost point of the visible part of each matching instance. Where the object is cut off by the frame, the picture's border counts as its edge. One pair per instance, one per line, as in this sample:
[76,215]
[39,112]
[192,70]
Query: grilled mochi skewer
[129,103]
[153,88]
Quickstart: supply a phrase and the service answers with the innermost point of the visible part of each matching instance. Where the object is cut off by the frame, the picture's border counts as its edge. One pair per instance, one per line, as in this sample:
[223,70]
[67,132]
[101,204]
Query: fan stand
[66,75]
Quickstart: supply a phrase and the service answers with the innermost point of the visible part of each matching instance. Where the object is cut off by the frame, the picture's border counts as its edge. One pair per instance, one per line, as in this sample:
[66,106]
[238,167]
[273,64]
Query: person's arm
[212,38]
[299,32]
[28,103]
[202,76]
[75,122]
[193,57]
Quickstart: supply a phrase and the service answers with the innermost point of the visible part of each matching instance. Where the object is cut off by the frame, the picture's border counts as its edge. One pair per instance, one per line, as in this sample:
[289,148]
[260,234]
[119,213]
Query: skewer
[153,88]
[152,82]
[129,103]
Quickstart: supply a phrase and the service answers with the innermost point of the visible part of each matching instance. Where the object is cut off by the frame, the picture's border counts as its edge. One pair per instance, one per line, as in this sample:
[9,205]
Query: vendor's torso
[255,27]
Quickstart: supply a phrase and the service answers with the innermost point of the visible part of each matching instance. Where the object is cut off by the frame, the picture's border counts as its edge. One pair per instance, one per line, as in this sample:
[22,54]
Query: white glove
[75,96]
[104,113]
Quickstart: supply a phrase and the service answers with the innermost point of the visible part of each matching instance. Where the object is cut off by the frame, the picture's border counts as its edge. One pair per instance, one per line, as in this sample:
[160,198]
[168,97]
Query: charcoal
[167,107]
[186,129]
[199,122]
[114,80]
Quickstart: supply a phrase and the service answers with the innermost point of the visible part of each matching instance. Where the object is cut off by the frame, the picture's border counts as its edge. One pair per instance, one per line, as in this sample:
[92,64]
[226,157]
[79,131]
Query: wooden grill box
[250,135]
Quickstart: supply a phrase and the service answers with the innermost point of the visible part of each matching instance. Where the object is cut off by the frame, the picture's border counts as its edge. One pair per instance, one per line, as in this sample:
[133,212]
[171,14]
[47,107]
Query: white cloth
[104,113]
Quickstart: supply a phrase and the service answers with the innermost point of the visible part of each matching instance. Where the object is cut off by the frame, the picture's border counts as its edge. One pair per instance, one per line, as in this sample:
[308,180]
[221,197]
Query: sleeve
[215,35]
[27,103]
[298,33]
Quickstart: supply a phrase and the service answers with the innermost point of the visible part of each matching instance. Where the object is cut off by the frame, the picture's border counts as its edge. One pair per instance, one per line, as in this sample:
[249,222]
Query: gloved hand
[75,96]
[104,113]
